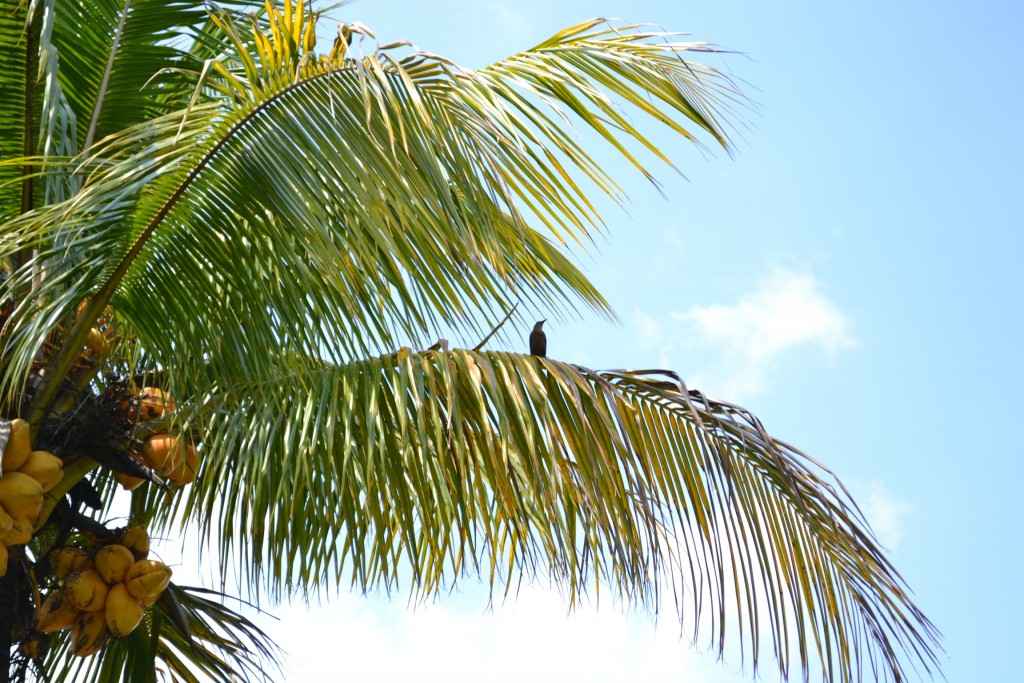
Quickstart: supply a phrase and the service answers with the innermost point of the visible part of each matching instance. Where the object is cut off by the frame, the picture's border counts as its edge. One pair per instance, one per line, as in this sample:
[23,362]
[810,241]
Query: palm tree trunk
[16,608]
[10,583]
[8,603]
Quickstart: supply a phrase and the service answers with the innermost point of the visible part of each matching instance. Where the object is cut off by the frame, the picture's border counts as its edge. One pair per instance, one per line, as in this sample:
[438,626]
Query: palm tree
[196,199]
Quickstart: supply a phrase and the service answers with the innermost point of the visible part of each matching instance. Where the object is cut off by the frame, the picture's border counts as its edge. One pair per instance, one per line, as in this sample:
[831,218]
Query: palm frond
[432,465]
[346,206]
[16,62]
[58,124]
[123,59]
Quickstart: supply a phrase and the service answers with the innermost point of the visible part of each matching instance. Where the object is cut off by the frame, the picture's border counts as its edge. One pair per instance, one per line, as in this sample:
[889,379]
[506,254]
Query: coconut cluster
[103,593]
[172,457]
[25,476]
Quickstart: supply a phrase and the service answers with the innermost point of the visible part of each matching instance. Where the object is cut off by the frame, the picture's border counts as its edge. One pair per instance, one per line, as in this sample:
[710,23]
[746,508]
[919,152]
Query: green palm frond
[222,645]
[345,207]
[116,53]
[58,125]
[431,465]
[268,223]
[16,62]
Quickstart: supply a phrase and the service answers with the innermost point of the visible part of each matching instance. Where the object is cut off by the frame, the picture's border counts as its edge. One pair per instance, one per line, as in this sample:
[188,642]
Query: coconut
[97,344]
[123,611]
[113,562]
[56,613]
[87,590]
[19,445]
[153,403]
[127,481]
[164,452]
[21,495]
[35,646]
[89,633]
[184,471]
[130,405]
[46,468]
[136,539]
[69,560]
[147,578]
[21,532]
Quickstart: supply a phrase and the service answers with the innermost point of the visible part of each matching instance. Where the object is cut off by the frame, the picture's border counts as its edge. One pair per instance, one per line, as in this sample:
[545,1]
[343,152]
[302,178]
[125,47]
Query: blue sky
[852,276]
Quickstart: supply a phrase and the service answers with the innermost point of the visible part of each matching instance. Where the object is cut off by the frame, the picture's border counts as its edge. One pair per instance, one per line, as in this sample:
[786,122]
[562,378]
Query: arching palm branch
[275,231]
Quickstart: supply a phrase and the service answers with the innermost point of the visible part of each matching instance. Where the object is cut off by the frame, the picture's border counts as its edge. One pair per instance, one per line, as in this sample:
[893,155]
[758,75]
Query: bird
[538,340]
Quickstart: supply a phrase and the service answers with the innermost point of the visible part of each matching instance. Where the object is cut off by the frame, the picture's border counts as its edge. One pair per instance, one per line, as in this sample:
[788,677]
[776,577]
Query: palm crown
[271,233]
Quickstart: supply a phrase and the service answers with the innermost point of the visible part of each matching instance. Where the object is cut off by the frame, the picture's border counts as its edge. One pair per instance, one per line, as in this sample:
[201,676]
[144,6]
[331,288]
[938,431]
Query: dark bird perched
[538,341]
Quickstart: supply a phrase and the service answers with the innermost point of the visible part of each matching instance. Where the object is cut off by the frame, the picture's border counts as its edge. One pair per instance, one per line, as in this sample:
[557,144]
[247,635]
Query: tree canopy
[275,236]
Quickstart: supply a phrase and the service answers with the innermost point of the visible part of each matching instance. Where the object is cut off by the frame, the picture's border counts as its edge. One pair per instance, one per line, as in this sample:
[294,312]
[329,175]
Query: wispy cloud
[744,340]
[885,514]
[511,22]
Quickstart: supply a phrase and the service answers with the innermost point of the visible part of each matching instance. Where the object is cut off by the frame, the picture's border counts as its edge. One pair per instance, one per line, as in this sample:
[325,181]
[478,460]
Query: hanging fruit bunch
[25,476]
[171,457]
[70,571]
[95,349]
[104,592]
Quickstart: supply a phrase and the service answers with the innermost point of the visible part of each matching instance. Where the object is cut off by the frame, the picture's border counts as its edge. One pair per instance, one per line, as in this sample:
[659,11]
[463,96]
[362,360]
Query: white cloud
[456,639]
[531,638]
[885,514]
[786,310]
[651,338]
[746,339]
